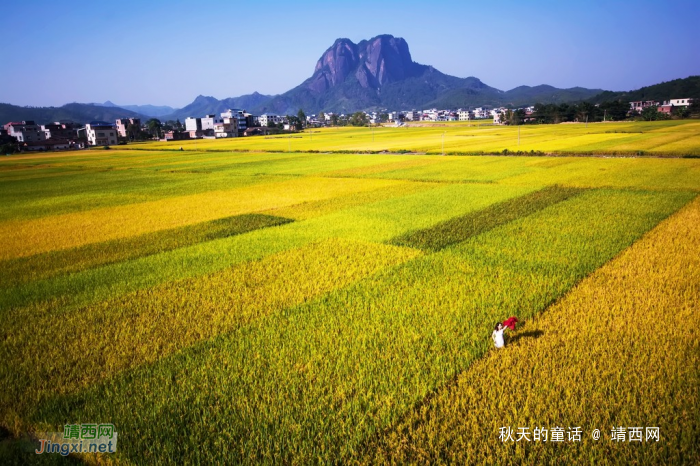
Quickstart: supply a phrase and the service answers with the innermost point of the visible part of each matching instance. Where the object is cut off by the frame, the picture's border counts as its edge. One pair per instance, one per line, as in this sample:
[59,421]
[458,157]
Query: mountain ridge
[76,112]
[374,74]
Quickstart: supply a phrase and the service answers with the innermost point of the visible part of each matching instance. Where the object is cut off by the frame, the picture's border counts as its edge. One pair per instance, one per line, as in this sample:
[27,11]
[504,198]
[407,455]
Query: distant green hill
[77,113]
[677,89]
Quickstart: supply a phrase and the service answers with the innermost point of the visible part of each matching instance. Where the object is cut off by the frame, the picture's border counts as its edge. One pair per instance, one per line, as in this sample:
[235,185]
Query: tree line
[613,110]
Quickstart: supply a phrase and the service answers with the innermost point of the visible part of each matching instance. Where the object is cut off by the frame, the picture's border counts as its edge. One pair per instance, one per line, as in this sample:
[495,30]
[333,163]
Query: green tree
[512,117]
[302,118]
[334,119]
[694,107]
[681,112]
[586,111]
[650,113]
[8,148]
[615,110]
[322,118]
[154,127]
[295,123]
[359,119]
[133,132]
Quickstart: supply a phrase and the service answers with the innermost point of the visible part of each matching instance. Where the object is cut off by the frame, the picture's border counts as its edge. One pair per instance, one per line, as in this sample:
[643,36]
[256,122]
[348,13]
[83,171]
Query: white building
[267,119]
[25,131]
[228,128]
[100,133]
[681,102]
[430,114]
[465,115]
[240,115]
[412,115]
[193,124]
[640,105]
[209,121]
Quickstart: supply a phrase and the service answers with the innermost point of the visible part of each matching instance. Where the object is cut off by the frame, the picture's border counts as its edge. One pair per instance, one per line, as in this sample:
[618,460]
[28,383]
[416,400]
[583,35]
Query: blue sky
[168,52]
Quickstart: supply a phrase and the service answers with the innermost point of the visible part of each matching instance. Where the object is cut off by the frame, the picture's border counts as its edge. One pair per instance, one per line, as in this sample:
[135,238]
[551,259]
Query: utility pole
[443,143]
[605,114]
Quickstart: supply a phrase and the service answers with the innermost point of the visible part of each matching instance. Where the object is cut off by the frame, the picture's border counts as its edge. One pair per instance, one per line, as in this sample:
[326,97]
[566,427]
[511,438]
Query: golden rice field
[659,138]
[236,303]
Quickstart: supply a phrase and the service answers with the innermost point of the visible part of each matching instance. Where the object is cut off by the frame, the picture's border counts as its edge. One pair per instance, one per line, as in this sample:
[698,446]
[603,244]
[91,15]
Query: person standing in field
[497,335]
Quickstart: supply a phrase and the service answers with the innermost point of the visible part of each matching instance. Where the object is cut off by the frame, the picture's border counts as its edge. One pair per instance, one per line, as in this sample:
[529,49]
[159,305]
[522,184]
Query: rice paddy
[665,138]
[223,306]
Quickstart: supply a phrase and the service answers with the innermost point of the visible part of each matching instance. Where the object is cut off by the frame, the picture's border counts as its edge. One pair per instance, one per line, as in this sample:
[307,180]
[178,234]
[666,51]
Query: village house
[58,130]
[25,131]
[100,133]
[242,119]
[176,135]
[193,124]
[269,119]
[123,125]
[54,144]
[640,105]
[228,128]
[209,121]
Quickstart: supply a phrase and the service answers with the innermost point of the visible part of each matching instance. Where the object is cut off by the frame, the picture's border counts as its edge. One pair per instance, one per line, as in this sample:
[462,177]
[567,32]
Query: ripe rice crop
[458,229]
[621,349]
[42,266]
[314,382]
[307,210]
[126,297]
[23,238]
[142,327]
[662,138]
[376,221]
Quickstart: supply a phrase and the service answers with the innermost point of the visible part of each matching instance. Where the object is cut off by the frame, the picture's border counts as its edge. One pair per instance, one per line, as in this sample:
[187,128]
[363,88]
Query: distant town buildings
[239,123]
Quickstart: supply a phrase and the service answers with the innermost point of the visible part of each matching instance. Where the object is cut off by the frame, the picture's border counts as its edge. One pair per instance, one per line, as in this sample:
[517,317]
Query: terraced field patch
[222,304]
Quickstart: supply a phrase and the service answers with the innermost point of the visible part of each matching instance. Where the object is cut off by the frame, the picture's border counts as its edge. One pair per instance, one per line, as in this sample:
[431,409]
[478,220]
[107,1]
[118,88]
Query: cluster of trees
[559,113]
[8,147]
[612,110]
[356,119]
[153,128]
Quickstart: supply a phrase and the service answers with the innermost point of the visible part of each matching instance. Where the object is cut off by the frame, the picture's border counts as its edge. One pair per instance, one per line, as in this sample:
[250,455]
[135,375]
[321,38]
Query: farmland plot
[323,308]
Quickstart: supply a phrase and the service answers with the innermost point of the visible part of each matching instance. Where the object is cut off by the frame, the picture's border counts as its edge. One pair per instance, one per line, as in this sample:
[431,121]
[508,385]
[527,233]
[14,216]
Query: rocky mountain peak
[385,59]
[374,62]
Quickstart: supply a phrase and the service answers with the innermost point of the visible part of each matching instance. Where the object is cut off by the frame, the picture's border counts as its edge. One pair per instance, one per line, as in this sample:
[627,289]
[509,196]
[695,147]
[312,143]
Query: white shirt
[498,338]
